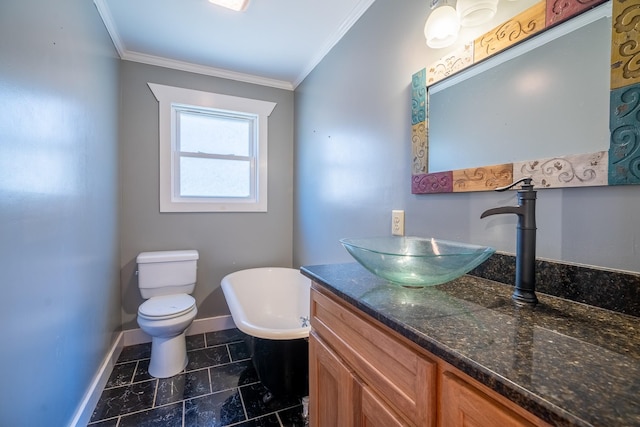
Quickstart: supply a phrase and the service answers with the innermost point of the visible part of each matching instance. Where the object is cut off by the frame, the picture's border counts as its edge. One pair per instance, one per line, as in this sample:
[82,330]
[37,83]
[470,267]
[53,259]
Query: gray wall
[353,158]
[58,207]
[227,242]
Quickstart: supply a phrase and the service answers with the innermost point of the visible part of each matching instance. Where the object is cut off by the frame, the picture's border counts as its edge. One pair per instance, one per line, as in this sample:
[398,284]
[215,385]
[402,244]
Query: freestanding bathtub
[271,306]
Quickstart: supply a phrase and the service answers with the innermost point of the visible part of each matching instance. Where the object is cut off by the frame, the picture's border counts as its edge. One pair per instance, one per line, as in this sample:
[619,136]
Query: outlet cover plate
[397,223]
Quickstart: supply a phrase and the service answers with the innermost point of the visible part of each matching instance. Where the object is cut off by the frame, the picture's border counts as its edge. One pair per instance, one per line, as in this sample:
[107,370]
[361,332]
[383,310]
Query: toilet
[166,279]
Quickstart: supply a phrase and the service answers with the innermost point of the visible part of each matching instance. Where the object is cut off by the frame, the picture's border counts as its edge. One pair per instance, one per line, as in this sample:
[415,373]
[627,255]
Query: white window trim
[168,96]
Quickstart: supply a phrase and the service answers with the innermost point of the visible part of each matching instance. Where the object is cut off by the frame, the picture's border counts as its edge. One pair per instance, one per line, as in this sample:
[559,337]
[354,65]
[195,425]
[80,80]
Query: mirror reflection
[532,106]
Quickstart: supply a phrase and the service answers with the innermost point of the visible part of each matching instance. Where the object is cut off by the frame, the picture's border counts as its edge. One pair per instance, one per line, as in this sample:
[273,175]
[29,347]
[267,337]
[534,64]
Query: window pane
[214,178]
[201,133]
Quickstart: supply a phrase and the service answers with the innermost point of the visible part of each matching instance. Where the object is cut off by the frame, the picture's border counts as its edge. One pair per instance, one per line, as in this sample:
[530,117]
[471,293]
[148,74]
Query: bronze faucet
[525,286]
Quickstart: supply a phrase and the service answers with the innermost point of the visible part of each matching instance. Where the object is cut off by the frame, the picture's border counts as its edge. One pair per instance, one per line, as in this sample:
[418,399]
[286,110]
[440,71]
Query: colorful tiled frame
[618,166]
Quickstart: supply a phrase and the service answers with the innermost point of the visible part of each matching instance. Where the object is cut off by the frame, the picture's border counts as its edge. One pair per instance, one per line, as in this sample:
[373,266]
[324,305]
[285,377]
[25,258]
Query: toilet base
[168,356]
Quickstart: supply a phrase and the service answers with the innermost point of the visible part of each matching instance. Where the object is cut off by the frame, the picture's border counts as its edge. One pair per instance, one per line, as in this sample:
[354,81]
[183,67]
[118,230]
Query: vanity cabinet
[361,373]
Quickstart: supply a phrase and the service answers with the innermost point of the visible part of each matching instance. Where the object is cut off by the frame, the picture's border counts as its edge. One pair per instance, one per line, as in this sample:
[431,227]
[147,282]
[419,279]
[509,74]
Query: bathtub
[271,306]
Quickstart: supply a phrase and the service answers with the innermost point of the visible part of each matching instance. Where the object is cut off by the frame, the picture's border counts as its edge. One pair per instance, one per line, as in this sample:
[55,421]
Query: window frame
[170,99]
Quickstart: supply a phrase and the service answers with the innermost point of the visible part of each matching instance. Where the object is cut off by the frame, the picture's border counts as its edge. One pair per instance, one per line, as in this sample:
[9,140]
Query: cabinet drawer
[403,376]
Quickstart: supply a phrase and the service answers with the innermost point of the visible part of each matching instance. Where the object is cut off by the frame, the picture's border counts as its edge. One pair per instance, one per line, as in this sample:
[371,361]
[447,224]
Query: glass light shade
[442,27]
[476,12]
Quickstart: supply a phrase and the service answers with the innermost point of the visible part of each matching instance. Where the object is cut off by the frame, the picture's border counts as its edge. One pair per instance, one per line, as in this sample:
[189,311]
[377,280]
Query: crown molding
[351,19]
[107,19]
[206,70]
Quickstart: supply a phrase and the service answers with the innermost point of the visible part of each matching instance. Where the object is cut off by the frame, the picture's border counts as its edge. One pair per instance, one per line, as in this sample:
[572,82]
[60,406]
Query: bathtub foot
[268,397]
[305,410]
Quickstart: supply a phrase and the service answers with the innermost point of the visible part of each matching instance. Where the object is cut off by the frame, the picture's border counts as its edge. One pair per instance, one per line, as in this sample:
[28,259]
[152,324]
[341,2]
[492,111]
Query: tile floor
[219,387]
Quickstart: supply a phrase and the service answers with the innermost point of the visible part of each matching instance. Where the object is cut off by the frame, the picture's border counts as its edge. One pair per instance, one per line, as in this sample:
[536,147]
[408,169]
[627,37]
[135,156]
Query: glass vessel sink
[416,261]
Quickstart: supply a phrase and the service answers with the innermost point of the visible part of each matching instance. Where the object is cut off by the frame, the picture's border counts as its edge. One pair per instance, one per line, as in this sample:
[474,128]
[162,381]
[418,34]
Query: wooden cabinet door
[376,413]
[334,393]
[463,405]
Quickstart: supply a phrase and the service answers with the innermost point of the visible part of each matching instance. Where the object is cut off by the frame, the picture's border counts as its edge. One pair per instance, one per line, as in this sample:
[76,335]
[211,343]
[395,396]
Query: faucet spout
[525,280]
[503,210]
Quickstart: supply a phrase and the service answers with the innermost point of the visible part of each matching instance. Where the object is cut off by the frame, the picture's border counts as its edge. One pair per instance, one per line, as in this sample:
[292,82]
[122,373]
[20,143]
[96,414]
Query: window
[213,151]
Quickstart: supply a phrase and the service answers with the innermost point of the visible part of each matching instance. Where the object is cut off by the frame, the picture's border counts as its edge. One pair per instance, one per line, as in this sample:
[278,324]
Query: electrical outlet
[397,223]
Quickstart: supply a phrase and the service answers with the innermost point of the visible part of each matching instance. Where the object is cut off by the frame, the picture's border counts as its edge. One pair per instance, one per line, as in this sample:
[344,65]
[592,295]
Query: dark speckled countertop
[568,363]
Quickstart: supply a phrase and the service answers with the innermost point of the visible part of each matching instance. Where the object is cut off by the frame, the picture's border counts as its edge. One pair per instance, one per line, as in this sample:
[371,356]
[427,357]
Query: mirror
[447,106]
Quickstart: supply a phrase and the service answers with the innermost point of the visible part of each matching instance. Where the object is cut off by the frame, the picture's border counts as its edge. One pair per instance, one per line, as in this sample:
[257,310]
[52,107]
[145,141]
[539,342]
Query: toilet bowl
[165,319]
[165,279]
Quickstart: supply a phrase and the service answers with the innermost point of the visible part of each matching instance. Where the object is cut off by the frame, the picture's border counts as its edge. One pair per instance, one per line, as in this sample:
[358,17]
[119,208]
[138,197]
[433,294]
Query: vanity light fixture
[476,12]
[442,26]
[237,5]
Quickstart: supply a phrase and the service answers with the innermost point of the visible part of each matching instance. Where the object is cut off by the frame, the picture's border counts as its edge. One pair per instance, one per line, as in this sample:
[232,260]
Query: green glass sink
[416,261]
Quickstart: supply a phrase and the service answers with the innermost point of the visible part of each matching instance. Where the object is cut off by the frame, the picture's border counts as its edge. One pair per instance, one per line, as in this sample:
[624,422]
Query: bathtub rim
[250,328]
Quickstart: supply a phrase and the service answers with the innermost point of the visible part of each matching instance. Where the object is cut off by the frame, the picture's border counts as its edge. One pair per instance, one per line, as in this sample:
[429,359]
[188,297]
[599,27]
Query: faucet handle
[526,186]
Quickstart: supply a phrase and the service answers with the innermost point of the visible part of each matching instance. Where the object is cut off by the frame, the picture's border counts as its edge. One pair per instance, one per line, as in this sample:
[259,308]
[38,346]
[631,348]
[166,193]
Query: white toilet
[165,279]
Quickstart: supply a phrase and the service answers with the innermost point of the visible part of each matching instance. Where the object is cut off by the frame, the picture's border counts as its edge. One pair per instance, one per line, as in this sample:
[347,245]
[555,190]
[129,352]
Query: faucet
[525,286]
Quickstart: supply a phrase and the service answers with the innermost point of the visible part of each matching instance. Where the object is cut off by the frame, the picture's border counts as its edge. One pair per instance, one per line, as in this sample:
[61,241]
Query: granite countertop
[568,363]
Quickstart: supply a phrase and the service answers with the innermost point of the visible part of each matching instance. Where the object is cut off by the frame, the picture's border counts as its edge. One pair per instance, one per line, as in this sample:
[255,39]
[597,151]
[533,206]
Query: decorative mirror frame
[619,165]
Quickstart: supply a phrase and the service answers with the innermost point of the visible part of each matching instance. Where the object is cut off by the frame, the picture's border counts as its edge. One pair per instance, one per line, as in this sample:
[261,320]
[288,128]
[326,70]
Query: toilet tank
[167,272]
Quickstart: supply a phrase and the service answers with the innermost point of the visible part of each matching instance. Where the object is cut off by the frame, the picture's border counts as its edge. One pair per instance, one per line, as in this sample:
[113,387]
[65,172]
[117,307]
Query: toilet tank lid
[167,256]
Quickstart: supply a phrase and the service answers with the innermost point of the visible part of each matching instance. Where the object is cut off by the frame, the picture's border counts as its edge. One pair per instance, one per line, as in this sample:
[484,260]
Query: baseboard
[211,324]
[91,397]
[131,337]
[199,326]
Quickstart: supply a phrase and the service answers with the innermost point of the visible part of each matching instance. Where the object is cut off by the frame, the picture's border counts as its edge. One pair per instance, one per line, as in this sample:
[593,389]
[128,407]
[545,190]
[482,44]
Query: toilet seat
[166,306]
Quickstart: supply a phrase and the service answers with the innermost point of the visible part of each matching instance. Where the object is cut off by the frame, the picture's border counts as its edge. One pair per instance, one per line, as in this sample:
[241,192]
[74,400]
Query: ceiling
[273,43]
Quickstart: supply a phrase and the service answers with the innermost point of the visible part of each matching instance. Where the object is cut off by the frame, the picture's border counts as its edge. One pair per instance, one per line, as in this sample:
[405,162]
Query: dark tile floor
[219,387]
